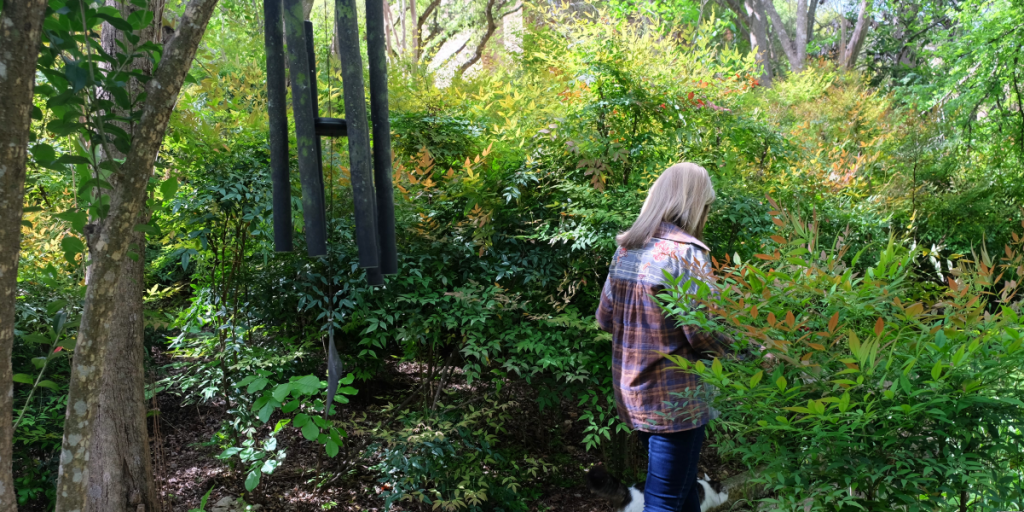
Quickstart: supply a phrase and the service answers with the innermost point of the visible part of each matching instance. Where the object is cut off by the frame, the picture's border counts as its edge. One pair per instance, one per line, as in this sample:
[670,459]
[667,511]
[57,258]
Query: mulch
[309,480]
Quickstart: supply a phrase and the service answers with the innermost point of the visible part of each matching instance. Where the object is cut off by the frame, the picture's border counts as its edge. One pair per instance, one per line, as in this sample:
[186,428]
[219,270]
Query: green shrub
[867,397]
[450,460]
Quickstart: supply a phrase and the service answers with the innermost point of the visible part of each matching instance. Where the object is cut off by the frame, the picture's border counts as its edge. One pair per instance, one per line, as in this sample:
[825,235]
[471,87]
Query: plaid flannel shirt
[647,391]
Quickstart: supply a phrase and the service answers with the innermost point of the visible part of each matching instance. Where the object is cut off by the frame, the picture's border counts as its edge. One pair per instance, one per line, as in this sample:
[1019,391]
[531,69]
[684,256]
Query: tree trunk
[20,27]
[740,9]
[389,27]
[405,29]
[120,466]
[860,31]
[796,51]
[801,34]
[759,42]
[109,244]
[842,41]
[414,20]
[812,10]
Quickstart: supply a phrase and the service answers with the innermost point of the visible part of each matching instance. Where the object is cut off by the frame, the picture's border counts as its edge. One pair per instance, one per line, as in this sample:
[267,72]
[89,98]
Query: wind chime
[371,189]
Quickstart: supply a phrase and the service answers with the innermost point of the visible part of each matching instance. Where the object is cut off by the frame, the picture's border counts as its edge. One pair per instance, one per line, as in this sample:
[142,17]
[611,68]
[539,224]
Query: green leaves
[331,448]
[252,480]
[873,395]
[310,431]
[307,385]
[844,402]
[305,391]
[77,219]
[43,153]
[169,188]
[77,77]
[257,385]
[282,391]
[72,247]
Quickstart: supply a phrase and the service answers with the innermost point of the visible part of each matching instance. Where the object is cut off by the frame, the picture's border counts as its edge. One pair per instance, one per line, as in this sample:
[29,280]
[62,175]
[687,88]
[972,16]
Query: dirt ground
[308,480]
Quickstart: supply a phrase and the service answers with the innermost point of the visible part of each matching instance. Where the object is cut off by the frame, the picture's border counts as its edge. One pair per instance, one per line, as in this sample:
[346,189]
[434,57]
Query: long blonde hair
[682,196]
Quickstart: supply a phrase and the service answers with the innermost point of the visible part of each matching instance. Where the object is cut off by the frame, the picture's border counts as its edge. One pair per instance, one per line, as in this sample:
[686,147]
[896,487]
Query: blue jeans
[672,470]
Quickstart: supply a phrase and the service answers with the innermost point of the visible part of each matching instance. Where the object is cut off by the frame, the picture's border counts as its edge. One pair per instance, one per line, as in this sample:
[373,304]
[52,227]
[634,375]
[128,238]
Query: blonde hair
[681,196]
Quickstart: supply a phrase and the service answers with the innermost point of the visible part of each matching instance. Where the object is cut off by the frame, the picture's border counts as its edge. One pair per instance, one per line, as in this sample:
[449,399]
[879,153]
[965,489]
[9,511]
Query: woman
[666,236]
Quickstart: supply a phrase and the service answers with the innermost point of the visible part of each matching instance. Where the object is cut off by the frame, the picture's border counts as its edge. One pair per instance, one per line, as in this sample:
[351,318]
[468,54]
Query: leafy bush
[867,397]
[450,460]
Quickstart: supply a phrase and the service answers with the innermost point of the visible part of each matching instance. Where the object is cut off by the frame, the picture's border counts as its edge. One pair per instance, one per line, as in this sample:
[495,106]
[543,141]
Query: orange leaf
[879,325]
[833,322]
[763,257]
[816,346]
[771,319]
[778,239]
[790,319]
[753,312]
[915,309]
[778,222]
[806,356]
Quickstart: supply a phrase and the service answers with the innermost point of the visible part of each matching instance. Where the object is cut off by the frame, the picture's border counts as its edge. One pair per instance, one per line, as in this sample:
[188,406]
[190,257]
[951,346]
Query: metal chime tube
[276,98]
[315,99]
[358,137]
[305,131]
[382,174]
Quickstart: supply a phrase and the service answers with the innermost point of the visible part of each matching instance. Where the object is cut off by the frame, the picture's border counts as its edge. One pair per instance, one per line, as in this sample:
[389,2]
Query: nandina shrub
[862,397]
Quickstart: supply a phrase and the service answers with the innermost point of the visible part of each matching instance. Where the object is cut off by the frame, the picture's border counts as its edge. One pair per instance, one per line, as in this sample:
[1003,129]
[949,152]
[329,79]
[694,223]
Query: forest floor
[308,480]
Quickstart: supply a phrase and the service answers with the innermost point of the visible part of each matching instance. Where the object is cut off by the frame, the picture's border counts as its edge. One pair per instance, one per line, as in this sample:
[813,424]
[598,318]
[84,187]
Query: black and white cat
[631,499]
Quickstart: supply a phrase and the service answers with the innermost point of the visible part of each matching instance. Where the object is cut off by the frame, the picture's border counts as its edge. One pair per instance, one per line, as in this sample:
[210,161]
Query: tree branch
[492,26]
[426,14]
